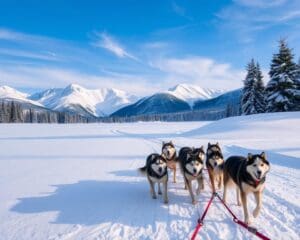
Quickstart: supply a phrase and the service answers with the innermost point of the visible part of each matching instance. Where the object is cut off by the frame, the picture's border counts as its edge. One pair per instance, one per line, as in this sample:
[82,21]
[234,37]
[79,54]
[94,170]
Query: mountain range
[114,102]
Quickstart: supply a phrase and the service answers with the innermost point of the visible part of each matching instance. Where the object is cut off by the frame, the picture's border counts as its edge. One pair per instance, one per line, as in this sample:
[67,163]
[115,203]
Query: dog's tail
[142,170]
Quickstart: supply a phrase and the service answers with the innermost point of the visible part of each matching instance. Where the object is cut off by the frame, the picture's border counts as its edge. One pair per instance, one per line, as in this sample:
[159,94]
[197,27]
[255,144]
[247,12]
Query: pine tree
[259,91]
[281,90]
[248,96]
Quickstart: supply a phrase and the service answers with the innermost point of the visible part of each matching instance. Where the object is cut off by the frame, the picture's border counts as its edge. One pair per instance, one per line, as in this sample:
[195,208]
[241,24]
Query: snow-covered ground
[80,181]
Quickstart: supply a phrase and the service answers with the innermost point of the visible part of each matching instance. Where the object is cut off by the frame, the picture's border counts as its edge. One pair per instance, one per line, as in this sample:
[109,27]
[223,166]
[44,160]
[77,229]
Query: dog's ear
[209,144]
[263,155]
[152,157]
[218,144]
[202,148]
[188,156]
[193,148]
[249,156]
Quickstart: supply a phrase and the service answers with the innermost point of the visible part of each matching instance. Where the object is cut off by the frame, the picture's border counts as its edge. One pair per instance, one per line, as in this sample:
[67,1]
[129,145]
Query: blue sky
[140,46]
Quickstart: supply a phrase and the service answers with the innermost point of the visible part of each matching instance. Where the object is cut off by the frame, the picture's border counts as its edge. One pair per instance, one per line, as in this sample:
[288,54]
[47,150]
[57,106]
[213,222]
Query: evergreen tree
[281,91]
[259,91]
[248,96]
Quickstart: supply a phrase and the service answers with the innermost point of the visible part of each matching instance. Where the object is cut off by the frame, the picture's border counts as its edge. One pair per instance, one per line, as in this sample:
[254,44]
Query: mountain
[156,104]
[11,94]
[221,102]
[191,93]
[74,98]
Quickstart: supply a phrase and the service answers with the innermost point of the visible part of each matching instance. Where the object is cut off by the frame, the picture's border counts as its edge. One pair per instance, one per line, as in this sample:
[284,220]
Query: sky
[140,46]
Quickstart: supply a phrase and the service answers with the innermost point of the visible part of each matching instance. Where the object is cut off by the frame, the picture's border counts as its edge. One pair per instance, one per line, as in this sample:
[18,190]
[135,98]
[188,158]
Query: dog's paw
[154,197]
[166,201]
[256,212]
[159,192]
[248,221]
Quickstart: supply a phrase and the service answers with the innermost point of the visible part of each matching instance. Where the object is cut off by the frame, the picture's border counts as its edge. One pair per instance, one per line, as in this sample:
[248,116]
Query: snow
[191,93]
[79,181]
[98,102]
[9,93]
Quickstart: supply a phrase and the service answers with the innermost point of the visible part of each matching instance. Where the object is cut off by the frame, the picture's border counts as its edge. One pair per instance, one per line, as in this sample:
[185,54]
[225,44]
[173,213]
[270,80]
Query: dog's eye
[254,165]
[262,165]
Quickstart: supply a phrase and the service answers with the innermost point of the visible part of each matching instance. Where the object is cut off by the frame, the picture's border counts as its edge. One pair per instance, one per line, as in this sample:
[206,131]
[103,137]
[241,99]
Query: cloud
[247,18]
[261,3]
[45,56]
[51,77]
[110,44]
[202,71]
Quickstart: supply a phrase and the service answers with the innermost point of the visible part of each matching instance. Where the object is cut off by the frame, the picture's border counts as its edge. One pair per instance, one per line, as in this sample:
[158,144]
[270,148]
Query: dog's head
[257,166]
[194,163]
[214,155]
[168,150]
[158,164]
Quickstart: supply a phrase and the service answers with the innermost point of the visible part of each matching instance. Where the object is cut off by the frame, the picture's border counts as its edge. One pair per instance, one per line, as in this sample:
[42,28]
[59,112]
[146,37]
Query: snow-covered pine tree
[281,90]
[248,96]
[259,91]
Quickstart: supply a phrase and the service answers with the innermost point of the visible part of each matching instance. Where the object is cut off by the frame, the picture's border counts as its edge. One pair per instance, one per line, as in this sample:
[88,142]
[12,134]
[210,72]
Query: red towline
[235,219]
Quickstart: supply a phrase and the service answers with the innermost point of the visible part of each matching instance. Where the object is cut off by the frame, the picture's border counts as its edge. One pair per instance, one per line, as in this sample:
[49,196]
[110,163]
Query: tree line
[14,112]
[282,92]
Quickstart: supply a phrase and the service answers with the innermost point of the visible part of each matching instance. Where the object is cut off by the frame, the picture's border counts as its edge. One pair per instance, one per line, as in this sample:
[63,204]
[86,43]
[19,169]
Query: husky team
[247,174]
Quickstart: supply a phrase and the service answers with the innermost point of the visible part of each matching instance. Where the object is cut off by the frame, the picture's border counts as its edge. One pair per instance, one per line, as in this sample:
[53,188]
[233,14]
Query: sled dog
[214,165]
[191,166]
[156,172]
[249,175]
[169,153]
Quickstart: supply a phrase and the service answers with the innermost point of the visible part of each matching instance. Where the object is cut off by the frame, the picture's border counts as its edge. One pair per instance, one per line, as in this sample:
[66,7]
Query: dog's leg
[257,196]
[174,172]
[238,196]
[225,183]
[189,186]
[200,184]
[220,181]
[212,180]
[159,190]
[245,207]
[152,190]
[166,200]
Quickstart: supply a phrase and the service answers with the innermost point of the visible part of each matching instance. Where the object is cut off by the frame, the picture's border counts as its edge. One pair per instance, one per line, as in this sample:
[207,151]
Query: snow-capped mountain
[8,93]
[191,93]
[74,98]
[156,104]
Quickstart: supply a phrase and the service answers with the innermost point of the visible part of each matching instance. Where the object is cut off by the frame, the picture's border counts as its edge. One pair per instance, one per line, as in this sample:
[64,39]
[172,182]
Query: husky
[249,175]
[169,153]
[157,172]
[214,165]
[191,166]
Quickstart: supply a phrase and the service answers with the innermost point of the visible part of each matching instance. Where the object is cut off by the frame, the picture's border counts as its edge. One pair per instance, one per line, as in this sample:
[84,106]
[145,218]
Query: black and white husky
[214,165]
[249,175]
[157,172]
[168,151]
[191,166]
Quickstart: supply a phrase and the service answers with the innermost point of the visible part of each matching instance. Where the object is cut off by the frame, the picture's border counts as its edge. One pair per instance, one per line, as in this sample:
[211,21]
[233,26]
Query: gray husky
[249,175]
[191,166]
[157,172]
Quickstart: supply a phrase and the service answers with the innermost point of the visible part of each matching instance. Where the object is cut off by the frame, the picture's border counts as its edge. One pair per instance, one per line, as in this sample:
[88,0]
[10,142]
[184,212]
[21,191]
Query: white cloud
[202,71]
[110,44]
[49,77]
[261,3]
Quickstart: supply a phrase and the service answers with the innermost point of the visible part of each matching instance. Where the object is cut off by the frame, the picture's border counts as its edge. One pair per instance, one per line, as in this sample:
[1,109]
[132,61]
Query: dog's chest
[162,179]
[247,188]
